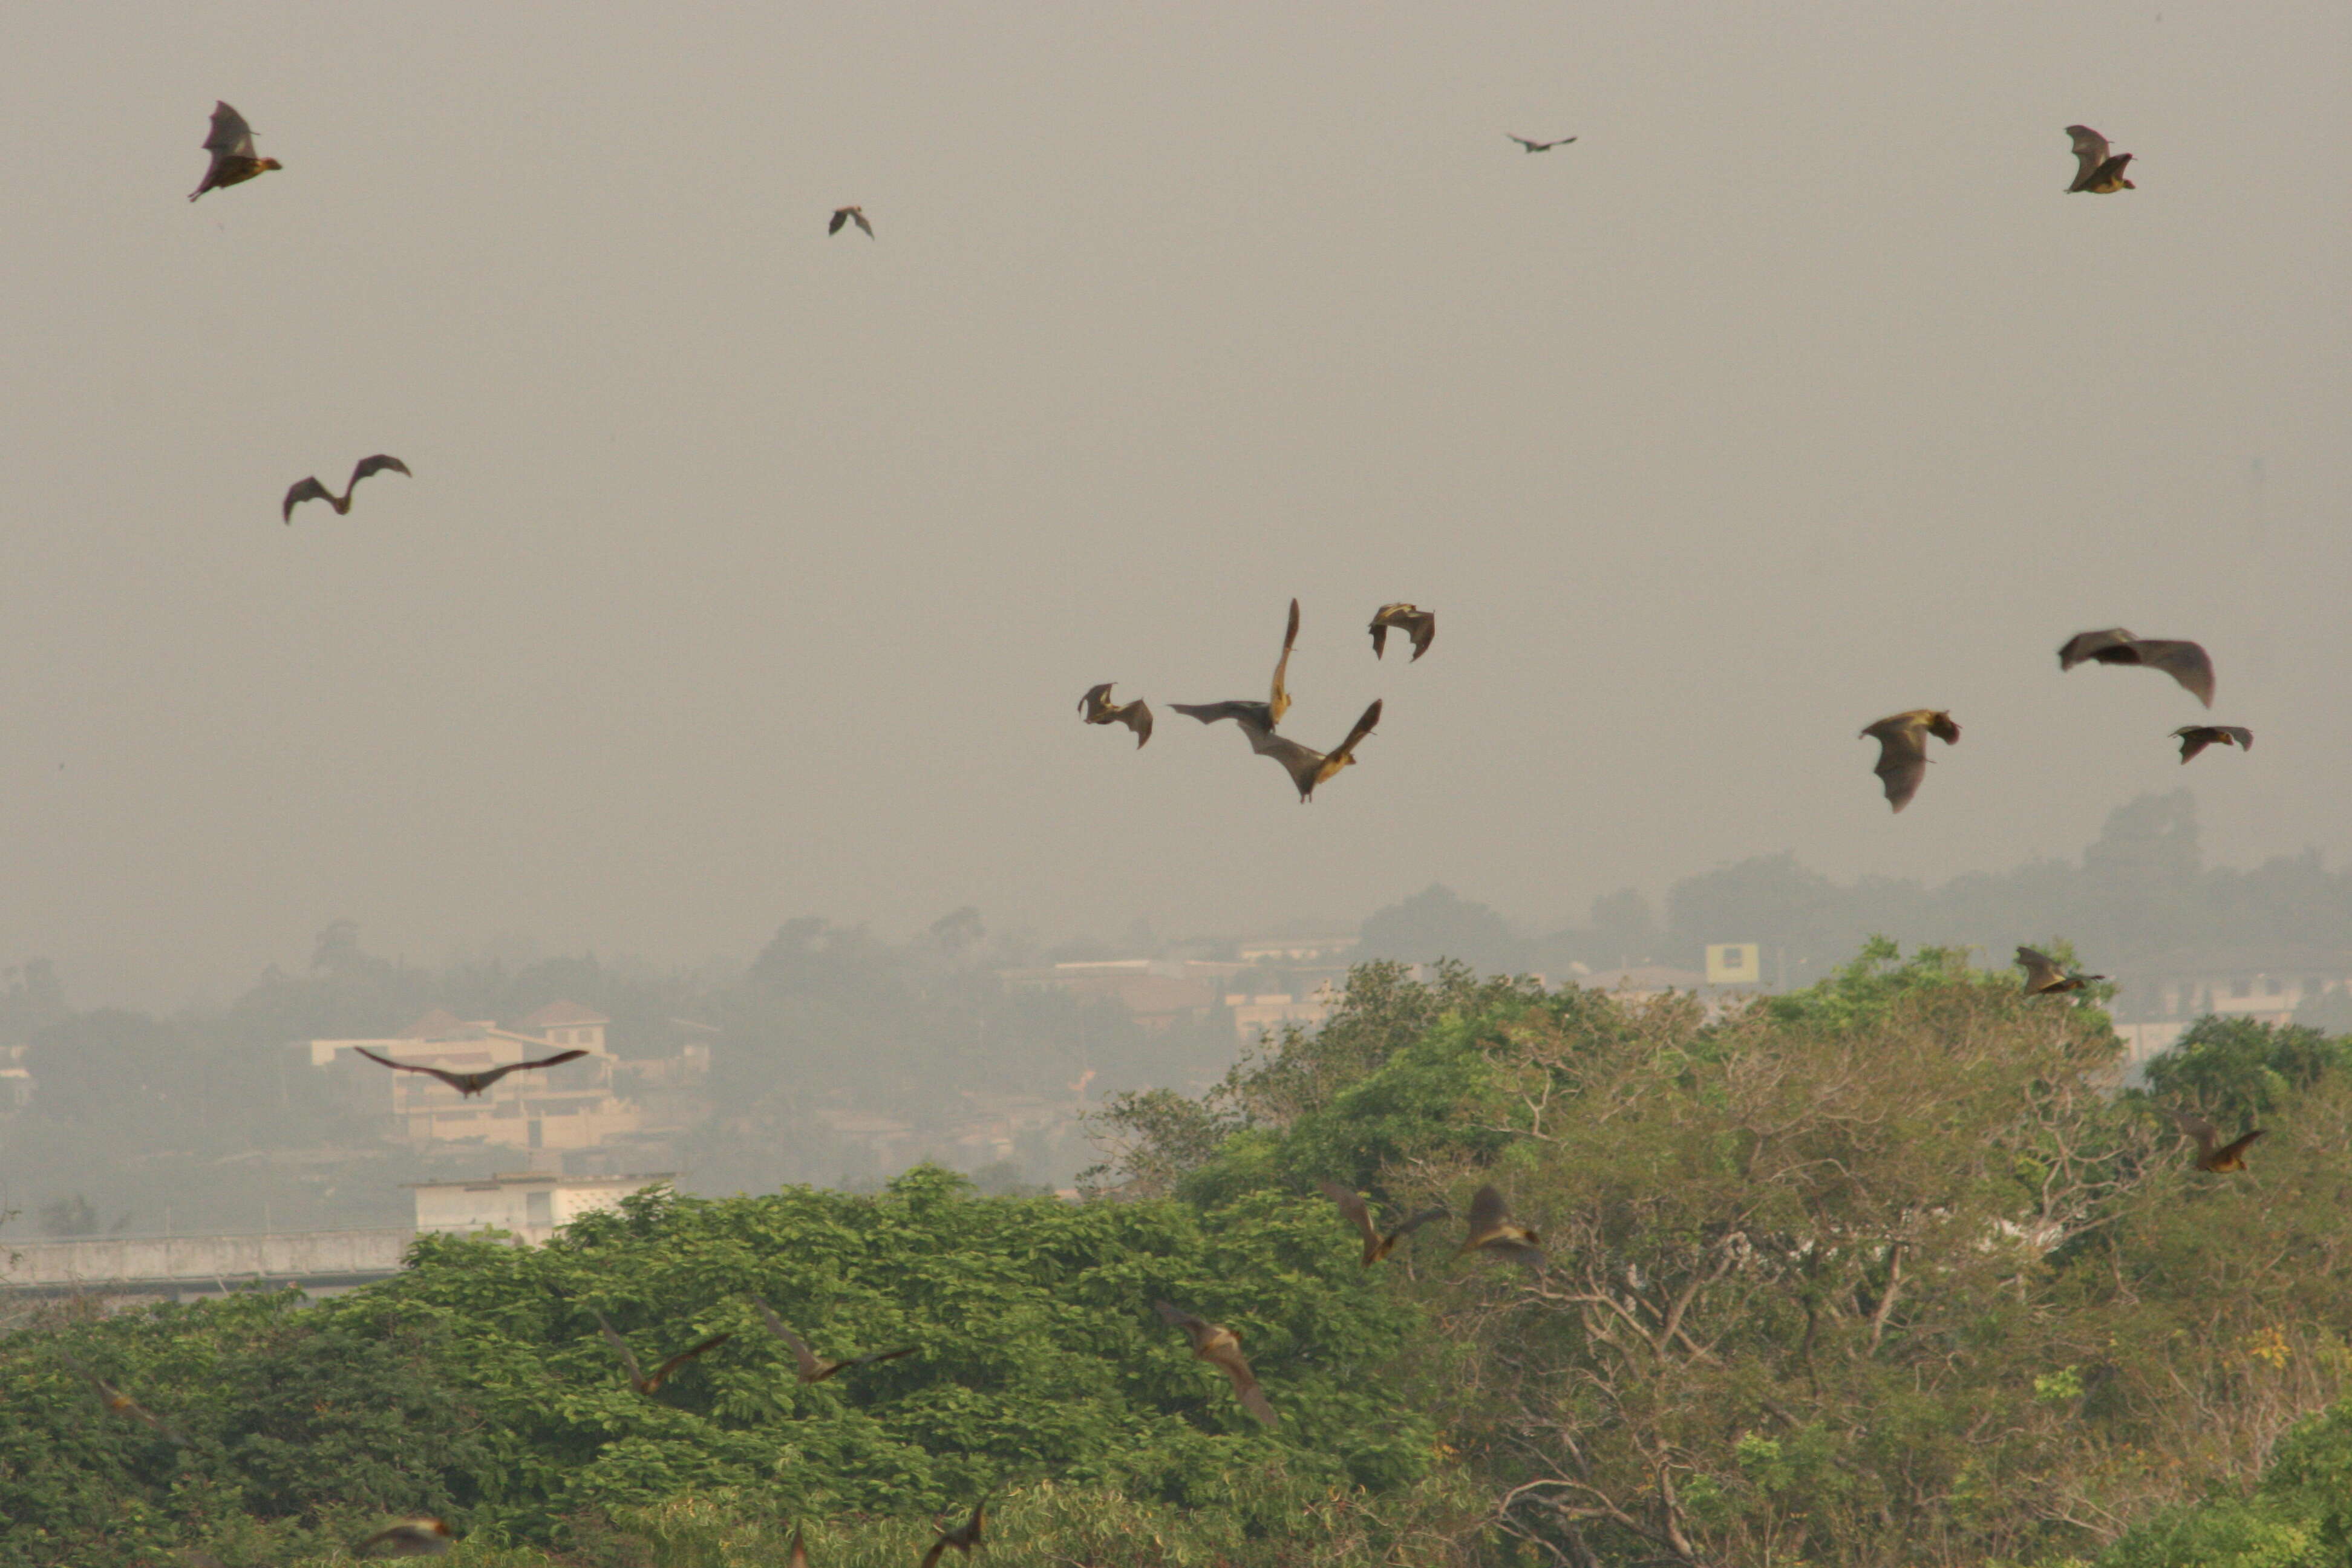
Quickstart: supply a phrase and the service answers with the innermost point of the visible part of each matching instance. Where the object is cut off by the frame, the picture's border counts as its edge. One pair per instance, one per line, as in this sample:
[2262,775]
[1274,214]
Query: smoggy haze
[747,572]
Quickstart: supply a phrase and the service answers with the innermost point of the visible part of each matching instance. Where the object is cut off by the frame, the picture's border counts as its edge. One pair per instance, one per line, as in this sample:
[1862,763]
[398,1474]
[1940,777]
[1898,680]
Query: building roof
[547,1178]
[439,1025]
[563,1015]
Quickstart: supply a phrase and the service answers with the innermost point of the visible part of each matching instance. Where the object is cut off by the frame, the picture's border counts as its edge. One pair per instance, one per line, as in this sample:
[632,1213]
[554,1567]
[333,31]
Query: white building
[528,1205]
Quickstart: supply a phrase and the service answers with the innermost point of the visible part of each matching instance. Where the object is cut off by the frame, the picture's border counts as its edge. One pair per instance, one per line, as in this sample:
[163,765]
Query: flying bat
[311,489]
[2195,738]
[230,141]
[2045,978]
[1417,623]
[121,1404]
[849,214]
[2186,662]
[410,1538]
[1265,715]
[2095,171]
[1100,710]
[1376,1246]
[650,1387]
[472,1083]
[1222,1347]
[1903,749]
[810,1369]
[1492,1229]
[1541,146]
[963,1537]
[1307,766]
[2227,1156]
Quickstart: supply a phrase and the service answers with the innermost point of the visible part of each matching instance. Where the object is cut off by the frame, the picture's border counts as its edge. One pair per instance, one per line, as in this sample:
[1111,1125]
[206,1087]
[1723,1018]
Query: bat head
[269,164]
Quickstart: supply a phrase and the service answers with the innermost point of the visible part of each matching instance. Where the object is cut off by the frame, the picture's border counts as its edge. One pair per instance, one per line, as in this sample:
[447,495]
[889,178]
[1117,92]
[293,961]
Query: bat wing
[2193,738]
[931,1558]
[1179,1318]
[2040,970]
[380,463]
[2227,1152]
[1351,1204]
[230,136]
[1137,716]
[1422,625]
[2090,151]
[453,1079]
[1522,142]
[810,1369]
[874,1358]
[2084,646]
[1487,1211]
[799,1558]
[838,219]
[859,218]
[1277,702]
[1379,637]
[306,489]
[557,1060]
[1097,698]
[1331,764]
[1424,1217]
[2197,1126]
[661,1373]
[1229,1360]
[2186,662]
[1902,758]
[621,1348]
[2239,733]
[1301,762]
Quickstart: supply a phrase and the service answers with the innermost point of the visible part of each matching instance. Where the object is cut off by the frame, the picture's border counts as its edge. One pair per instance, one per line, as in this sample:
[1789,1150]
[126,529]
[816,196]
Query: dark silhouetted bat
[1100,710]
[311,489]
[1541,146]
[1903,749]
[963,1537]
[1376,1244]
[2095,171]
[1307,766]
[2045,978]
[1417,623]
[472,1083]
[230,141]
[2184,661]
[2195,738]
[650,1387]
[810,1369]
[849,214]
[1492,1229]
[2227,1156]
[410,1538]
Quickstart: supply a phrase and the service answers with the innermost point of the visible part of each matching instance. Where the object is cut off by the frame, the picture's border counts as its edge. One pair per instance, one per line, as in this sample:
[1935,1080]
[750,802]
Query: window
[2271,987]
[538,1208]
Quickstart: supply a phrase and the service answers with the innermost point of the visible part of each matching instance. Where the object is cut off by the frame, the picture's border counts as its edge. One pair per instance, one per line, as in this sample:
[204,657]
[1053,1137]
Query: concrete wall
[202,1261]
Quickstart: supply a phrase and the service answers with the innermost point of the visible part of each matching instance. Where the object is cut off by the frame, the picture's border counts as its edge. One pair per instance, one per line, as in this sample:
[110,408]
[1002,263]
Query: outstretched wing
[1351,1203]
[1422,624]
[840,217]
[1228,1359]
[489,1076]
[1303,764]
[1524,143]
[1277,702]
[2239,733]
[1488,1210]
[621,1348]
[1902,758]
[2090,151]
[452,1080]
[1097,698]
[230,135]
[2228,1154]
[376,464]
[874,1358]
[661,1373]
[2194,738]
[1345,754]
[308,489]
[1424,1217]
[1179,1318]
[810,1369]
[2084,646]
[1239,709]
[2186,662]
[859,218]
[2041,971]
[1137,716]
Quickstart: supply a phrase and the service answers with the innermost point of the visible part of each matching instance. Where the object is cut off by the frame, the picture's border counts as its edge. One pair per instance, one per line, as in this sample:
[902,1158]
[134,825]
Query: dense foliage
[1890,1271]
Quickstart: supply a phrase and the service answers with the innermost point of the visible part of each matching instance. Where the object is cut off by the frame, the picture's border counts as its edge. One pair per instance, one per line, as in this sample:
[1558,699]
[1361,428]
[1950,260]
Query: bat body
[963,1538]
[1100,710]
[2195,738]
[1903,749]
[410,1538]
[230,141]
[2094,170]
[650,1387]
[2045,978]
[1263,715]
[472,1083]
[311,489]
[849,214]
[1309,768]
[117,1403]
[1492,1229]
[1222,1347]
[2212,1154]
[810,1369]
[1377,1245]
[2186,662]
[1541,146]
[1417,623]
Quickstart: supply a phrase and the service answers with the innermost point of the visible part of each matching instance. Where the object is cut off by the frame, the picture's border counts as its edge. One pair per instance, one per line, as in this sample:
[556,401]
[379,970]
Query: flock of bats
[1901,766]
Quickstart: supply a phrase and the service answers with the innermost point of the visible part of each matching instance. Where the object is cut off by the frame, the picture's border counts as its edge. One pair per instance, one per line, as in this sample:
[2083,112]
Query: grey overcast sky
[747,572]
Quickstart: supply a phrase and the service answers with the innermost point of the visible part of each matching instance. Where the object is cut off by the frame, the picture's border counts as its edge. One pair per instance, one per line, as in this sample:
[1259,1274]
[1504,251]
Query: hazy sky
[747,572]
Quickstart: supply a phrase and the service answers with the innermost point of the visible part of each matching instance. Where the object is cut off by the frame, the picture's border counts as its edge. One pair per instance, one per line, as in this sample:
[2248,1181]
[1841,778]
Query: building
[1282,952]
[530,1205]
[16,1080]
[1157,993]
[1256,1015]
[574,1106]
